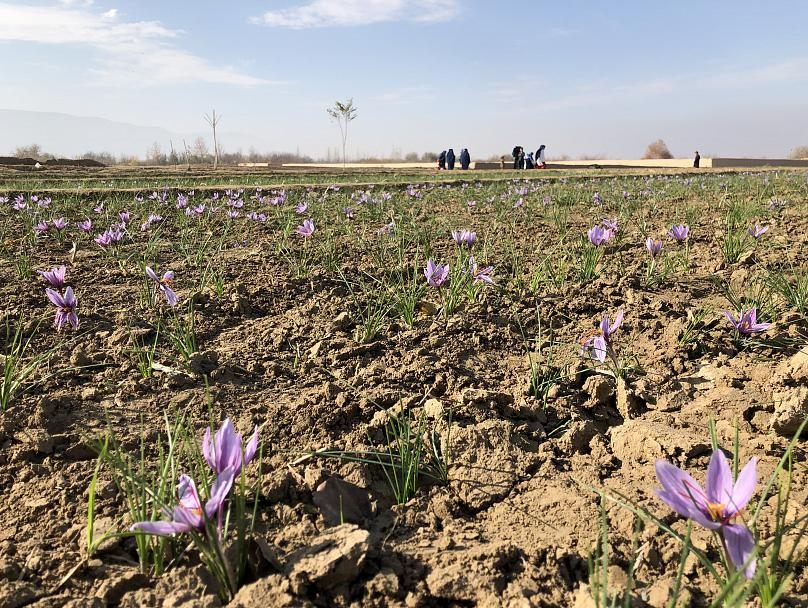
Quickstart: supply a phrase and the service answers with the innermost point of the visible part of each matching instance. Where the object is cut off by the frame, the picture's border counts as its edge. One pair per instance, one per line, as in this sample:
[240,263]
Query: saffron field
[387,389]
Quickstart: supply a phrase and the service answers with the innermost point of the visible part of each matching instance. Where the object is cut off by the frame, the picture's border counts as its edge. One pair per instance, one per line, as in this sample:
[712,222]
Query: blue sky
[727,77]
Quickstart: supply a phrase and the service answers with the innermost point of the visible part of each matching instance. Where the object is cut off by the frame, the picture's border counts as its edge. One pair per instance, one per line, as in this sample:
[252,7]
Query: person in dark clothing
[540,161]
[518,156]
[442,160]
[529,161]
[450,159]
[465,159]
[696,160]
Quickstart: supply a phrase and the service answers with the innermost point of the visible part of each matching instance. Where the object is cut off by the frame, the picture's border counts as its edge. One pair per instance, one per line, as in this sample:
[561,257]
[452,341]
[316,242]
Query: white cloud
[345,13]
[133,53]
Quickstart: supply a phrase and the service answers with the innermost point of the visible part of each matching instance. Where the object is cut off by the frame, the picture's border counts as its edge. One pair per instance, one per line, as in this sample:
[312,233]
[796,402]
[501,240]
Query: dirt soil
[518,518]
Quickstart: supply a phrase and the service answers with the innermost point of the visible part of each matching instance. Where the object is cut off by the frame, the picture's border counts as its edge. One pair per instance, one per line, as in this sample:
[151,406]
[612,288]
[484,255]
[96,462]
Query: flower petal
[682,493]
[744,487]
[740,546]
[219,491]
[251,448]
[719,479]
[161,528]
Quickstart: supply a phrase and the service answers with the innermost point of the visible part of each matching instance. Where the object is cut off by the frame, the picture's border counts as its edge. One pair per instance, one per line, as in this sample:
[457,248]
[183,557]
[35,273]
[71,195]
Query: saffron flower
[480,275]
[189,514]
[225,451]
[41,226]
[716,506]
[387,228]
[757,231]
[125,216]
[162,284]
[86,226]
[598,235]
[301,208]
[306,229]
[436,274]
[55,277]
[464,237]
[59,223]
[601,345]
[65,307]
[746,323]
[653,247]
[610,225]
[679,232]
[349,213]
[596,199]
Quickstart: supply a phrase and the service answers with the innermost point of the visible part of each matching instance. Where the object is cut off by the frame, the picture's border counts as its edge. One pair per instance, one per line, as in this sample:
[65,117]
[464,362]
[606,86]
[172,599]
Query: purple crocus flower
[596,199]
[757,231]
[59,223]
[86,226]
[55,277]
[232,214]
[162,284]
[480,275]
[99,208]
[104,239]
[225,451]
[301,208]
[746,323]
[654,247]
[189,515]
[387,228]
[464,237]
[600,345]
[717,505]
[349,213]
[65,307]
[436,274]
[41,227]
[125,217]
[598,235]
[679,232]
[611,225]
[306,229]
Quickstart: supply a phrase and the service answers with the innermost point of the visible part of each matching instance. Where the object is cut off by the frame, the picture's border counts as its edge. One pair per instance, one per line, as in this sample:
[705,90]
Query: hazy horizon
[425,75]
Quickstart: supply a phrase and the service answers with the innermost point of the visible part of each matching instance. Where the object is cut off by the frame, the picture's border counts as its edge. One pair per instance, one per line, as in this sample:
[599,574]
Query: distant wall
[759,162]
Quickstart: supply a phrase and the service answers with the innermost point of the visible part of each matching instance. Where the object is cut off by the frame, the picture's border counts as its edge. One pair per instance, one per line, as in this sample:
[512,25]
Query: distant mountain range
[68,136]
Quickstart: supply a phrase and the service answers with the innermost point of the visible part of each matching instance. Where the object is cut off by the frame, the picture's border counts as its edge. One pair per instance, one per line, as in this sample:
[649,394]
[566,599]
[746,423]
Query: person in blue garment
[465,159]
[450,159]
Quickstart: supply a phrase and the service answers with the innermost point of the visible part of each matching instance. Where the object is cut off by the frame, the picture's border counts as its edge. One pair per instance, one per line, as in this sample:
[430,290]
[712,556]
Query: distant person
[518,157]
[529,164]
[450,159]
[541,163]
[696,160]
[465,159]
[442,160]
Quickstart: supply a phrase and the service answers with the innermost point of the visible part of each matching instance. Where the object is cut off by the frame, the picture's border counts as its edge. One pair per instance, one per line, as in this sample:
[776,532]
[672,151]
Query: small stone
[433,408]
[333,558]
[790,409]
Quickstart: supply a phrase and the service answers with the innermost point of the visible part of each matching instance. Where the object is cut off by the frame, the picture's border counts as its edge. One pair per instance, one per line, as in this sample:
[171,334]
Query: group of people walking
[446,159]
[529,161]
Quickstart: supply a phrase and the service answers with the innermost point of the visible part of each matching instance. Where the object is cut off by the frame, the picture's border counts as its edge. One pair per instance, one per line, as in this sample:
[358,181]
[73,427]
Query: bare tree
[33,151]
[213,121]
[187,154]
[200,149]
[343,113]
[155,154]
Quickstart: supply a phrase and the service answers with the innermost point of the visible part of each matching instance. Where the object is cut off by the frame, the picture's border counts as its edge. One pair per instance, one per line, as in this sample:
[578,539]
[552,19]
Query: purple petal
[740,546]
[170,295]
[617,321]
[681,492]
[744,487]
[152,275]
[70,298]
[251,448]
[188,495]
[55,297]
[161,528]
[719,479]
[207,450]
[599,348]
[169,276]
[219,491]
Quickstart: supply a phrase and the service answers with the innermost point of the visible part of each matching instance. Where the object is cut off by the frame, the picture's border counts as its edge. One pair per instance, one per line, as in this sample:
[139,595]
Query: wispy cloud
[405,95]
[347,13]
[133,53]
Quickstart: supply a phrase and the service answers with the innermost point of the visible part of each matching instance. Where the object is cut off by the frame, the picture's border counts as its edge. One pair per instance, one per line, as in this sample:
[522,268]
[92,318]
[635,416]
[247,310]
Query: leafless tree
[343,113]
[213,121]
[200,149]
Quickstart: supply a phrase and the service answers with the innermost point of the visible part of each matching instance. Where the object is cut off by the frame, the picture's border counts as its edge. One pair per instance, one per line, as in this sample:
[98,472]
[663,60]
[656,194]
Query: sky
[729,77]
